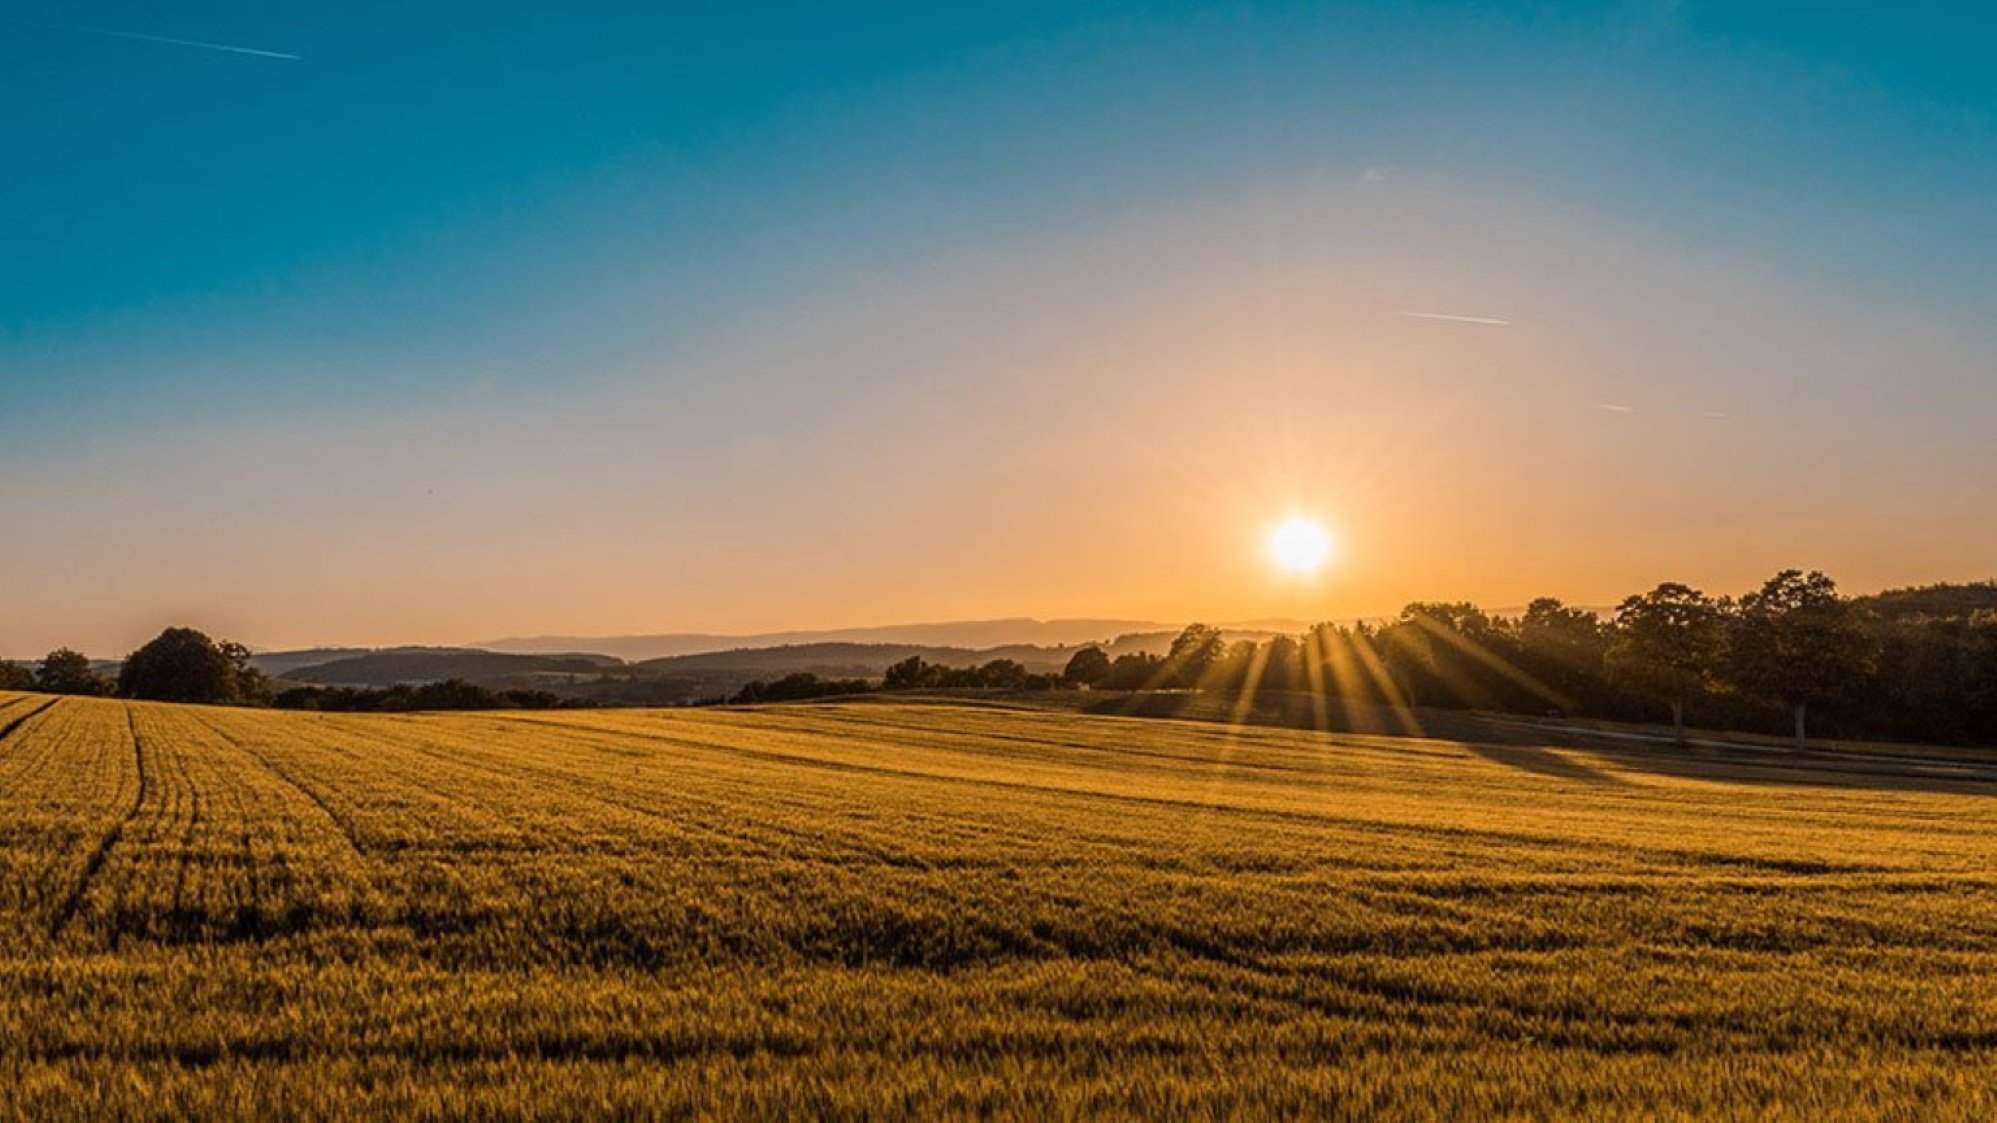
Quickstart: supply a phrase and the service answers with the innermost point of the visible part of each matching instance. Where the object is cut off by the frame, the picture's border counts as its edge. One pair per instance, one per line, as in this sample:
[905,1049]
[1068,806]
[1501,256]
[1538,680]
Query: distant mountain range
[672,678]
[426,664]
[970,634]
[282,663]
[721,665]
[677,667]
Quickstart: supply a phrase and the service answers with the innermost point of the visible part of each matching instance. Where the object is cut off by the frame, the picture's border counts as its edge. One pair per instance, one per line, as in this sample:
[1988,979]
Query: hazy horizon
[1065,631]
[656,321]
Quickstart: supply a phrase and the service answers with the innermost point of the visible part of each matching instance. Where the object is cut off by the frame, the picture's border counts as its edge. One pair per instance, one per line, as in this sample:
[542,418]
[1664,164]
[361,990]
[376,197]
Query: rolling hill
[892,910]
[969,634]
[435,664]
[849,659]
[670,680]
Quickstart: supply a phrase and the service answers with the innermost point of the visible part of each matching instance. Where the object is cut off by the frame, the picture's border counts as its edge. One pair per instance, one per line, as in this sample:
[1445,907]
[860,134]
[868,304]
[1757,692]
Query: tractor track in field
[340,822]
[73,902]
[591,790]
[1058,791]
[13,724]
[188,834]
[579,787]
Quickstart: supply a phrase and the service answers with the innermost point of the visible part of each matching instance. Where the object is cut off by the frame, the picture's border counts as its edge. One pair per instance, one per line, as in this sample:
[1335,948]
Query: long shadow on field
[1544,762]
[1522,743]
[1815,768]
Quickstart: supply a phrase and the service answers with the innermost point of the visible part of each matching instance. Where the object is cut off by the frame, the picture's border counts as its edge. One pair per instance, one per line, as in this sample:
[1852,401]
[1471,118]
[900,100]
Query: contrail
[105,31]
[1458,319]
[1616,408]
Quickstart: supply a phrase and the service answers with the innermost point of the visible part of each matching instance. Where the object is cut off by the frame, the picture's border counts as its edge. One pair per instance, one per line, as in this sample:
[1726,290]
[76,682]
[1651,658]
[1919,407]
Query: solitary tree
[1086,667]
[1668,644]
[1796,640]
[64,671]
[181,665]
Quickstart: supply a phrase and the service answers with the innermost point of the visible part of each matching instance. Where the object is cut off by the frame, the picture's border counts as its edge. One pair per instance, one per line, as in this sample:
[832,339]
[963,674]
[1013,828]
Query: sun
[1299,545]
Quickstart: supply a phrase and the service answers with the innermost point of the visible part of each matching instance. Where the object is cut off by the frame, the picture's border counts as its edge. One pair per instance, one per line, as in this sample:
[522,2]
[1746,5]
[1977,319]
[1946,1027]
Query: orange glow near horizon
[1129,410]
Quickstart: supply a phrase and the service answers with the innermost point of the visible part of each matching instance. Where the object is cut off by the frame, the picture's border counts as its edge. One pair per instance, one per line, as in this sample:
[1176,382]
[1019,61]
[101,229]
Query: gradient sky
[486,319]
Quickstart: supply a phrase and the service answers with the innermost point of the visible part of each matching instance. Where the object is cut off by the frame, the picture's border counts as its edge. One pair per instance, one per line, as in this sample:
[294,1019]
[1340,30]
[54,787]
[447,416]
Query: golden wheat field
[913,910]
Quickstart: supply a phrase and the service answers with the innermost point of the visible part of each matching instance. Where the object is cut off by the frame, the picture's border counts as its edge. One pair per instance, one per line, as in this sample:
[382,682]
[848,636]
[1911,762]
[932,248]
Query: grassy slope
[874,910]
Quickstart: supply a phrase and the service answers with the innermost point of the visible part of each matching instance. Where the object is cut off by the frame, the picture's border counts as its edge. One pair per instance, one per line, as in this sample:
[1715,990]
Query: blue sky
[529,211]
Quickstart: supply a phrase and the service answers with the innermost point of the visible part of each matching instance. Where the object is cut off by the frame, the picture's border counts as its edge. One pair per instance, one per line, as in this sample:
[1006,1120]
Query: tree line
[912,673]
[1791,656]
[404,698]
[186,665]
[179,665]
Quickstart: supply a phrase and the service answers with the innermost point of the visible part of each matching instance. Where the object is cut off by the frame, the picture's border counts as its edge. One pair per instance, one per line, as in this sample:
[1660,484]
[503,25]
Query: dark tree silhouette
[1795,640]
[64,671]
[1003,674]
[1239,662]
[909,674]
[1346,662]
[181,665]
[1461,617]
[450,694]
[1668,644]
[798,686]
[1134,670]
[1564,647]
[1407,654]
[1086,667]
[252,688]
[1193,652]
[1282,666]
[13,676]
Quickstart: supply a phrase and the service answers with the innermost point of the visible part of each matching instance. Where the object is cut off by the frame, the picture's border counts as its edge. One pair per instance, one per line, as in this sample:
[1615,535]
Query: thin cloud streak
[1616,408]
[169,40]
[1455,319]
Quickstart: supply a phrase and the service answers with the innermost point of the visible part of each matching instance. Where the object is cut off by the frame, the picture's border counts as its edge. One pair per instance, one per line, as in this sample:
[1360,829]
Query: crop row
[883,910]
